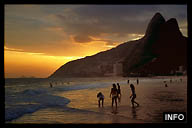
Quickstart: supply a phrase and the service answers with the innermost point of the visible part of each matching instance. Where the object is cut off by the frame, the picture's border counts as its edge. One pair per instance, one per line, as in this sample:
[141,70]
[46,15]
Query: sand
[154,99]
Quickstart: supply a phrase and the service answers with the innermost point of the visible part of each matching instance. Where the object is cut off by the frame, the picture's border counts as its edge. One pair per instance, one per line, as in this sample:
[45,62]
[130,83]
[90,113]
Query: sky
[41,38]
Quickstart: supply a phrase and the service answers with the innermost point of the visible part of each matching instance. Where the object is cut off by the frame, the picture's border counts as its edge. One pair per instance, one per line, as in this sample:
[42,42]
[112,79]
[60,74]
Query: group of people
[171,81]
[136,81]
[115,94]
[57,83]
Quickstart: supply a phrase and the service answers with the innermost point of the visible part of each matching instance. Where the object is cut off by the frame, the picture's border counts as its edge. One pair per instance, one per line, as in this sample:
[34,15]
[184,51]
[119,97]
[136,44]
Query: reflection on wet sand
[153,97]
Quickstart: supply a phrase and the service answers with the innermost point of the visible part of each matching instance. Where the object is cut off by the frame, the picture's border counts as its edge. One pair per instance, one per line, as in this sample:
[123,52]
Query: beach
[81,105]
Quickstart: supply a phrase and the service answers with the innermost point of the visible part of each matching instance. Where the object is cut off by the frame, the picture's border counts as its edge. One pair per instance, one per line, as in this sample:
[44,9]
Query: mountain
[161,51]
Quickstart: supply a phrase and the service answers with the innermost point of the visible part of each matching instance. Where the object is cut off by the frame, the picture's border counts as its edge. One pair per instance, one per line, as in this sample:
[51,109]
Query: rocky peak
[154,24]
[170,29]
[160,51]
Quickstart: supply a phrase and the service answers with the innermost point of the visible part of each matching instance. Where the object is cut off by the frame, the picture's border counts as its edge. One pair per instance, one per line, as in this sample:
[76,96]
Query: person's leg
[136,103]
[132,101]
[99,102]
[119,98]
[112,101]
[116,102]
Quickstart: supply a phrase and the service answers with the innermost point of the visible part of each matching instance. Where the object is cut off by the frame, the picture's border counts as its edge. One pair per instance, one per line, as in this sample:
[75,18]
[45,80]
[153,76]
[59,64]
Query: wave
[33,100]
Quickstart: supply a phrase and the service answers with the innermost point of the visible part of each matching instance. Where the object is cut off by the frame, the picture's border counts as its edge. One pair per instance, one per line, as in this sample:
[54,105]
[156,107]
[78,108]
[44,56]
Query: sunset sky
[41,38]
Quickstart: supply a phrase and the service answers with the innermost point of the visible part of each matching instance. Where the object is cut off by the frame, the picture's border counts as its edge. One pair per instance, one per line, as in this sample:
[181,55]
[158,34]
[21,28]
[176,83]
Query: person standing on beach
[51,85]
[100,97]
[114,94]
[137,81]
[133,95]
[128,81]
[119,92]
[165,84]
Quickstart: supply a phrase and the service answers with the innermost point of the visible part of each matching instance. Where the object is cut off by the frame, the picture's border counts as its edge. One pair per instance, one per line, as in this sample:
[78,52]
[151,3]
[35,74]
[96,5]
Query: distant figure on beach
[127,81]
[51,85]
[165,84]
[181,79]
[137,81]
[114,93]
[119,92]
[133,95]
[100,97]
[170,80]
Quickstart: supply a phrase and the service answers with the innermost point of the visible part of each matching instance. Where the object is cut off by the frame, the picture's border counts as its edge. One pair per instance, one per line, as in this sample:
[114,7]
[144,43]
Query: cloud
[13,49]
[94,19]
[49,28]
[22,51]
[82,39]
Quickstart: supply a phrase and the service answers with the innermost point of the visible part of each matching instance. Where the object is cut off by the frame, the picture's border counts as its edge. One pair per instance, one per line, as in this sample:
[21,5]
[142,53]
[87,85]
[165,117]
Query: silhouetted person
[170,80]
[137,81]
[127,81]
[51,85]
[133,95]
[100,97]
[165,84]
[114,94]
[119,92]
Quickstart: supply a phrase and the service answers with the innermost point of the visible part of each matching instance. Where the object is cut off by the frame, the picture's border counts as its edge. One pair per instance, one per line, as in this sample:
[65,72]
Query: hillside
[161,51]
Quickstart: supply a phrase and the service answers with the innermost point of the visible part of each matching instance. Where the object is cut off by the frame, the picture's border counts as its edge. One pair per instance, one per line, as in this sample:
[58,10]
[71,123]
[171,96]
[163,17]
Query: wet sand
[154,99]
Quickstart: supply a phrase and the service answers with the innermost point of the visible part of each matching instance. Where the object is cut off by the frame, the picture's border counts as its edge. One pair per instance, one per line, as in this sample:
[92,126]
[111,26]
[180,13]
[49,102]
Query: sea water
[34,101]
[29,95]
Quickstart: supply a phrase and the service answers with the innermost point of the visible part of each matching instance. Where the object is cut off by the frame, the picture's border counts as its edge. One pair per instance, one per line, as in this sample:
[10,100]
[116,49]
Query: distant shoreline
[105,77]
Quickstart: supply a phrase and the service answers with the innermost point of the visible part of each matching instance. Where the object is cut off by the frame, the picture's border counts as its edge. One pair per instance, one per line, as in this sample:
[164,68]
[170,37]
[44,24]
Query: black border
[139,125]
[2,80]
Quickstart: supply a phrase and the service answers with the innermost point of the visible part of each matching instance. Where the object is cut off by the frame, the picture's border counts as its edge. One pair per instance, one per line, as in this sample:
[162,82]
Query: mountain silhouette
[162,50]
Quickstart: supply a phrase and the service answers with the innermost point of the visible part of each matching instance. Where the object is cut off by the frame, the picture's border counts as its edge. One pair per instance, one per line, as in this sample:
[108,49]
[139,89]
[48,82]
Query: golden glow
[19,64]
[40,39]
[135,36]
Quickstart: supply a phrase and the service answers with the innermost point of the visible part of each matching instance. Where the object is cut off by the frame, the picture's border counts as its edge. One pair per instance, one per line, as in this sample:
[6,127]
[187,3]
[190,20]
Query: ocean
[73,100]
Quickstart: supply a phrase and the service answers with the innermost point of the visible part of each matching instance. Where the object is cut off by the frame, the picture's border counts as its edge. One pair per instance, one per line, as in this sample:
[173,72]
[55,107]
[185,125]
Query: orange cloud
[82,39]
[21,50]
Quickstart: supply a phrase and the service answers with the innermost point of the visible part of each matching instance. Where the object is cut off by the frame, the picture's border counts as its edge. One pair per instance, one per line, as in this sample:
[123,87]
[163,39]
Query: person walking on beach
[119,92]
[114,94]
[128,81]
[50,84]
[100,97]
[137,81]
[133,95]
